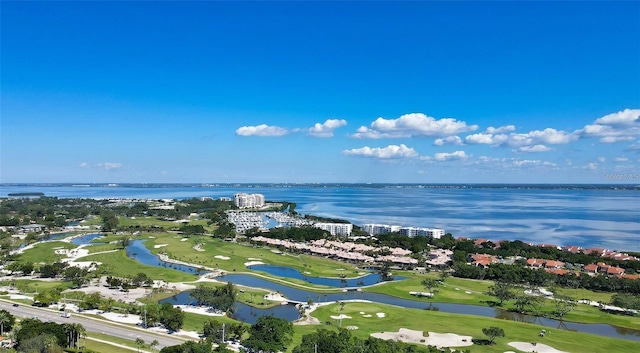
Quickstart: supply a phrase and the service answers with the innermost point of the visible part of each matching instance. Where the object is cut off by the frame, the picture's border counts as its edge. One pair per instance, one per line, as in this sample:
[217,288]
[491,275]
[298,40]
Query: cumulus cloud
[591,166]
[486,139]
[547,136]
[391,151]
[449,140]
[616,127]
[445,156]
[413,125]
[326,129]
[501,129]
[261,130]
[535,148]
[621,159]
[602,159]
[84,165]
[625,117]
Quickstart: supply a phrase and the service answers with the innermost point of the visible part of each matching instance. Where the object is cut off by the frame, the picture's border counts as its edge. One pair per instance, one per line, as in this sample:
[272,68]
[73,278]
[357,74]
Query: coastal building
[342,229]
[243,200]
[375,229]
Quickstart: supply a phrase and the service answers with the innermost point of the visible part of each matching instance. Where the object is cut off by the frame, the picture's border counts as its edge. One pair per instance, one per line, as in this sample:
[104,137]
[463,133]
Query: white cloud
[326,129]
[109,165]
[444,156]
[531,163]
[535,148]
[615,127]
[602,159]
[449,140]
[413,125]
[625,117]
[547,136]
[84,165]
[500,130]
[261,130]
[391,151]
[486,139]
[591,166]
[621,159]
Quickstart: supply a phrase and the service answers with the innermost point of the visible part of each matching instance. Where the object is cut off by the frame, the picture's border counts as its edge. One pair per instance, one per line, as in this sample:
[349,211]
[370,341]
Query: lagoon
[289,312]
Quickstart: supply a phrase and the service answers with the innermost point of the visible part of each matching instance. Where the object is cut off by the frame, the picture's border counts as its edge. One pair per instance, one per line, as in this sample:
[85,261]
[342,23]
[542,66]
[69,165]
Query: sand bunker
[366,315]
[434,339]
[341,316]
[381,314]
[251,263]
[222,257]
[253,259]
[159,246]
[184,239]
[352,328]
[531,347]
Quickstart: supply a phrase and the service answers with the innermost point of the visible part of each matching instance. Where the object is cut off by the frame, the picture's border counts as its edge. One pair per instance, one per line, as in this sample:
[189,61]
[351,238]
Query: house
[551,264]
[536,263]
[615,271]
[483,260]
[591,269]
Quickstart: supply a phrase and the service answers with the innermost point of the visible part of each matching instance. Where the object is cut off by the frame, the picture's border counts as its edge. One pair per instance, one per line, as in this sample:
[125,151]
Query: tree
[109,220]
[153,345]
[73,332]
[430,284]
[6,321]
[564,304]
[385,271]
[493,332]
[139,343]
[171,317]
[270,333]
[503,291]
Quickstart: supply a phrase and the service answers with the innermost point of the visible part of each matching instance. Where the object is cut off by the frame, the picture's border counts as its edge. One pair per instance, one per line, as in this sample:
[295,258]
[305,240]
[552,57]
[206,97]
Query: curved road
[93,325]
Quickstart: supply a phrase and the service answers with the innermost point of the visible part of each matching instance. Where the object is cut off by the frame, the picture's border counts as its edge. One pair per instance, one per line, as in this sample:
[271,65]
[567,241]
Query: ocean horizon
[587,215]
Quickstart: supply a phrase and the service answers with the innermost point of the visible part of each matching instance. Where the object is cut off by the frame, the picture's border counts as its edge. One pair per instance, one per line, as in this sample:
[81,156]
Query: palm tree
[153,345]
[74,332]
[5,318]
[139,343]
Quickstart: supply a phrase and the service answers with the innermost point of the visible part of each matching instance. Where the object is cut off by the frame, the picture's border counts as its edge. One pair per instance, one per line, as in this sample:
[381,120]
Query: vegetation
[270,333]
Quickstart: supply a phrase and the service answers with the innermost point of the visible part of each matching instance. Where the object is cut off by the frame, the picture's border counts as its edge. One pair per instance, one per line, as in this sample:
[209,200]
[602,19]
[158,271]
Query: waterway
[250,315]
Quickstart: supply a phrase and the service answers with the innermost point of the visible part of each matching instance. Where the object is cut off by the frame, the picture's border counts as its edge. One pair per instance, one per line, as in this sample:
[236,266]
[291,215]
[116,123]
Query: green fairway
[45,252]
[396,318]
[121,266]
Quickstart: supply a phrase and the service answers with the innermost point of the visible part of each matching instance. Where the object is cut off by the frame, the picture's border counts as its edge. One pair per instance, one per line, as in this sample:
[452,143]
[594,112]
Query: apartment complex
[375,229]
[343,229]
[243,200]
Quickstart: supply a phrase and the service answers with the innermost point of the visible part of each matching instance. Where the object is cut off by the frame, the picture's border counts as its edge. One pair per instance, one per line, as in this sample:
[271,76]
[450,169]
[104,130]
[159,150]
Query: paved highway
[93,325]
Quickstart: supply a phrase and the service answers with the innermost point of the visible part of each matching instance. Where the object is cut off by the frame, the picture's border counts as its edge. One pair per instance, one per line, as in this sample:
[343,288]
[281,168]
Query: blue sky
[420,92]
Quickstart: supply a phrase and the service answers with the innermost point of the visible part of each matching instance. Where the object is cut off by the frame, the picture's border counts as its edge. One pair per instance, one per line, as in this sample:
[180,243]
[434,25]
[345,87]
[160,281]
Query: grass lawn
[45,252]
[121,266]
[31,285]
[238,254]
[396,318]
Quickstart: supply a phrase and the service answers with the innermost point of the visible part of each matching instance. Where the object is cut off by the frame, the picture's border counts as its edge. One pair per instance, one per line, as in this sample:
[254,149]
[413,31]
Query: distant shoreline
[609,186]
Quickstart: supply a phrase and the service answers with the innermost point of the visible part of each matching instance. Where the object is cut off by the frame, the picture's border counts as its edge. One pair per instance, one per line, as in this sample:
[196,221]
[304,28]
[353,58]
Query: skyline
[307,92]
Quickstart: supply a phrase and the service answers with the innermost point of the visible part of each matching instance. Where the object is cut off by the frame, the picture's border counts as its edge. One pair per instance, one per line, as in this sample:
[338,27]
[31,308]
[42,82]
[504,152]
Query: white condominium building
[375,229]
[243,200]
[336,228]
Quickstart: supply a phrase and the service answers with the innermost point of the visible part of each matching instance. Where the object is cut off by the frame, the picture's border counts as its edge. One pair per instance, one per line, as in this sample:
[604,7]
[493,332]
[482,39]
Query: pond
[136,250]
[86,239]
[289,312]
[242,312]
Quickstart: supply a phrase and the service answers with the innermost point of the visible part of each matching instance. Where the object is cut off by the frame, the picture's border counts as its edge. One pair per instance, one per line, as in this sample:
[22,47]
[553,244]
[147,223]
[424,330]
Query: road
[93,325]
